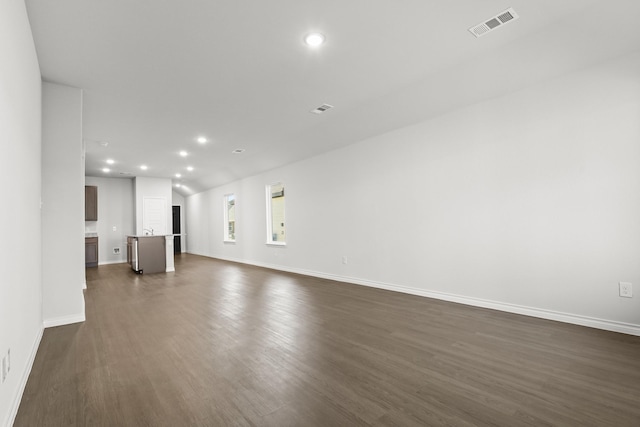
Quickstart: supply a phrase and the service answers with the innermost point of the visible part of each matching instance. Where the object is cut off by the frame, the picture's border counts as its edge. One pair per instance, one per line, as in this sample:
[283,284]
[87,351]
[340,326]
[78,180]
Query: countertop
[154,235]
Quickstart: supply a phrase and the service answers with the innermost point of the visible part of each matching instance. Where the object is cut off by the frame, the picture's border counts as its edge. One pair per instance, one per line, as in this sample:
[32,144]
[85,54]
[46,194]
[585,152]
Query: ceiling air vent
[321,109]
[493,23]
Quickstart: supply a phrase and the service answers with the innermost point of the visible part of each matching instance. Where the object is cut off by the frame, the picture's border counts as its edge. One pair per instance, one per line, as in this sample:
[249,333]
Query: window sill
[228,241]
[276,243]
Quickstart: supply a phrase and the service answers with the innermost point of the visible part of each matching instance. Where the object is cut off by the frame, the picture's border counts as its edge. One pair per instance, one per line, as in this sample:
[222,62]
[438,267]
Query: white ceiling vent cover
[493,23]
[321,109]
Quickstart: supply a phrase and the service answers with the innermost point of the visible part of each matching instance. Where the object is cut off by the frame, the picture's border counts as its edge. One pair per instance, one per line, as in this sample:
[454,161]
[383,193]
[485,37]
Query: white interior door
[154,215]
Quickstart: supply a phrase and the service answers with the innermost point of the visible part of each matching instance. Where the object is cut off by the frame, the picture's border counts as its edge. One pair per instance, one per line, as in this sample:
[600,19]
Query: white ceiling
[158,74]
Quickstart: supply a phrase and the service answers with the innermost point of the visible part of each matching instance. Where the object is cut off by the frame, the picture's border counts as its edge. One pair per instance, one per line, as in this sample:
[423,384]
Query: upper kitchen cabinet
[90,203]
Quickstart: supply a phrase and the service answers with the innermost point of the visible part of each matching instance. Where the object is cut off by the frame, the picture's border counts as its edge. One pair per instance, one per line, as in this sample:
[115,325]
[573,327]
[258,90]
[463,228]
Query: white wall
[528,203]
[152,188]
[178,200]
[62,205]
[115,210]
[20,258]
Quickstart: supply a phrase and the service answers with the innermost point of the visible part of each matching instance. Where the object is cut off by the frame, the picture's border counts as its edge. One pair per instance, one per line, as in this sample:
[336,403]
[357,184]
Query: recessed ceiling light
[106,170]
[110,161]
[189,168]
[144,167]
[202,139]
[314,39]
[238,151]
[183,153]
[178,175]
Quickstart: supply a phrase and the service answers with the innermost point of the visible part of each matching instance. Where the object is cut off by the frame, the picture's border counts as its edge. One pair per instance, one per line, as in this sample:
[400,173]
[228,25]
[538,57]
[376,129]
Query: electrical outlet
[116,251]
[114,228]
[626,289]
[345,260]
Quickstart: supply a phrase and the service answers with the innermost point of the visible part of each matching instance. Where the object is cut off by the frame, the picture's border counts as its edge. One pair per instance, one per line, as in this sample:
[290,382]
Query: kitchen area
[131,220]
[150,253]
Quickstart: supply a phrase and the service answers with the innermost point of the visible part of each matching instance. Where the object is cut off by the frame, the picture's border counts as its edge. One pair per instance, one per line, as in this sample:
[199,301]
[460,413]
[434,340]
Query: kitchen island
[150,253]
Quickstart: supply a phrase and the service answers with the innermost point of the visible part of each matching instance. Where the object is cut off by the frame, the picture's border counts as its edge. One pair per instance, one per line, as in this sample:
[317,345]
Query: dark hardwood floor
[218,343]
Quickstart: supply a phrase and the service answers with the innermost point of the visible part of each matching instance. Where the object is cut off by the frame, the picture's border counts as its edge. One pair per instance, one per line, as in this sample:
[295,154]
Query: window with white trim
[230,218]
[275,214]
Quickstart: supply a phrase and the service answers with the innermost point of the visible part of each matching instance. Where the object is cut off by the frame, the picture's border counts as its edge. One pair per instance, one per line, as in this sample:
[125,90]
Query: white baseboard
[591,322]
[112,262]
[64,320]
[13,411]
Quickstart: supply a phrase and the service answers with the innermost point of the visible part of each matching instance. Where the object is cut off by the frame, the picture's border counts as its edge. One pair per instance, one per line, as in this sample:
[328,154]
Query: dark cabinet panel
[91,251]
[147,254]
[152,256]
[90,203]
[132,244]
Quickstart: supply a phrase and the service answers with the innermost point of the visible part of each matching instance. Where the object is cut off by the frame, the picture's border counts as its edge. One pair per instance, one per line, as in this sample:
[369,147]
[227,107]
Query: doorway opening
[177,240]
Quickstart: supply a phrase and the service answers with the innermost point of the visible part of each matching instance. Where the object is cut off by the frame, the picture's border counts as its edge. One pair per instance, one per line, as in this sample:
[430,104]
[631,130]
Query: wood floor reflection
[218,343]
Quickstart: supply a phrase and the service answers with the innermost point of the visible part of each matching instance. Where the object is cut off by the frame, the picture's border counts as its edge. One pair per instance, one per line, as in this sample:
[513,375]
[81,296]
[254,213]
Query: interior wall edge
[570,318]
[13,410]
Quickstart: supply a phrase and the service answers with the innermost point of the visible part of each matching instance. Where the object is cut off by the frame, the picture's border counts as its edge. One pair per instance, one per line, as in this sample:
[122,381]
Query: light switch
[114,228]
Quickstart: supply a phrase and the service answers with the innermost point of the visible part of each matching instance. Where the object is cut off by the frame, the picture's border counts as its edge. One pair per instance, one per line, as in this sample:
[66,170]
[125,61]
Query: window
[275,214]
[229,218]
